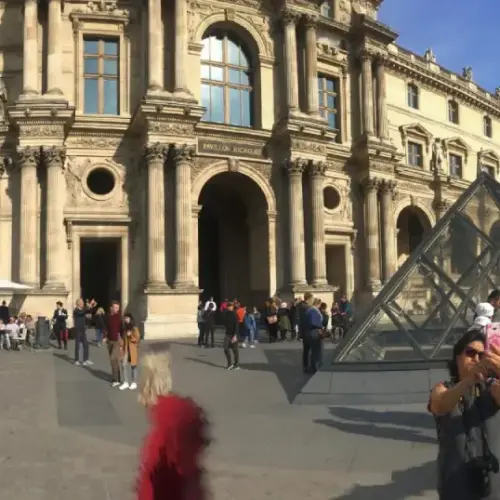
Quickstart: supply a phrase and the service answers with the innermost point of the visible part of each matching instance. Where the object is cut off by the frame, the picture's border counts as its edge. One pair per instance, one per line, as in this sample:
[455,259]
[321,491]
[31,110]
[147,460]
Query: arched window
[226,81]
[488,129]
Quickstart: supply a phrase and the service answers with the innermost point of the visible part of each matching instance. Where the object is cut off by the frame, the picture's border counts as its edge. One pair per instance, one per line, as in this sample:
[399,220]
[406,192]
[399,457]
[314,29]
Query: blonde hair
[155,378]
[316,302]
[100,311]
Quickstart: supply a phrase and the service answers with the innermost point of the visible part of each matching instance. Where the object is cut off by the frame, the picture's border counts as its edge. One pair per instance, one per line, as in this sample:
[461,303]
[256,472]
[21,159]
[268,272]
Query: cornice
[365,27]
[419,72]
[204,129]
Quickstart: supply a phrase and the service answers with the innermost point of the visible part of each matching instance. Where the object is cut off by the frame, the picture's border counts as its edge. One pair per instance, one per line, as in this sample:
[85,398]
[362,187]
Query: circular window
[101,181]
[331,198]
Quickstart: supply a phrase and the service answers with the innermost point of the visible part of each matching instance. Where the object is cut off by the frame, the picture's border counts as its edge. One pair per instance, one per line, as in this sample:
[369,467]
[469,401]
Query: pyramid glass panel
[430,301]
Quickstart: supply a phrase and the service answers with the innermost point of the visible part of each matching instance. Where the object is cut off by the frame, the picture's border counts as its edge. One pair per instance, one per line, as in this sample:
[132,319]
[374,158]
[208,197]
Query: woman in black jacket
[209,317]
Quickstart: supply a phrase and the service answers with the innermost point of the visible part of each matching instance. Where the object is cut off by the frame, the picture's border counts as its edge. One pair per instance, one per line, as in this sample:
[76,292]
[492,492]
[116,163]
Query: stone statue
[497,92]
[429,56]
[467,73]
[437,156]
[3,100]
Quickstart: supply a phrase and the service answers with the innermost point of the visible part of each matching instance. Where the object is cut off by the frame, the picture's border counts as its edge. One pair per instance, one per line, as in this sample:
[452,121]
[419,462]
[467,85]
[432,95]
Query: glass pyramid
[430,301]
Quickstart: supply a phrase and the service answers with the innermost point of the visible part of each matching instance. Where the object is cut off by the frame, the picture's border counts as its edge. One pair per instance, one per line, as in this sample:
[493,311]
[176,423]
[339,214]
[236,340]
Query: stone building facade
[151,149]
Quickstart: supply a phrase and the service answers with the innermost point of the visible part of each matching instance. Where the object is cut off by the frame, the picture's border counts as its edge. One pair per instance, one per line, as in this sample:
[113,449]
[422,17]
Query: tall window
[327,9]
[488,129]
[489,170]
[413,96]
[226,82]
[415,154]
[455,165]
[453,111]
[100,73]
[328,100]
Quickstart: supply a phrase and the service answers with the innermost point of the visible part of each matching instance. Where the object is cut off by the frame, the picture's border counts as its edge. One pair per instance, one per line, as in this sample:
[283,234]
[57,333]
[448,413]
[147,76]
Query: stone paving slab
[67,435]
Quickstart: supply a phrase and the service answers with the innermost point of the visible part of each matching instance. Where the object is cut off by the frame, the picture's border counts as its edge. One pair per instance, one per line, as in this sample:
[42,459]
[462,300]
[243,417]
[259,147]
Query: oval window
[331,198]
[101,181]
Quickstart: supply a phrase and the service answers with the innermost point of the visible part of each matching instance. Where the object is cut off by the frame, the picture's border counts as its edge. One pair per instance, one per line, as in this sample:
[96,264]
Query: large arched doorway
[233,239]
[412,225]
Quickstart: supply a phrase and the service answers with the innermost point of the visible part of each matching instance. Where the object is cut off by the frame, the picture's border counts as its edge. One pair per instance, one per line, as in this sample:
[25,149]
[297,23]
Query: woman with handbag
[271,318]
[129,348]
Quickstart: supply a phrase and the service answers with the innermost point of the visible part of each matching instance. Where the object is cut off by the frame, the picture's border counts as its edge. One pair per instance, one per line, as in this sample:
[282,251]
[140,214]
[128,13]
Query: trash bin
[42,333]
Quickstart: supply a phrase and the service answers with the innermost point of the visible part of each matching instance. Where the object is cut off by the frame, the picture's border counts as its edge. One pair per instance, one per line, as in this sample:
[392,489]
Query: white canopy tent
[12,287]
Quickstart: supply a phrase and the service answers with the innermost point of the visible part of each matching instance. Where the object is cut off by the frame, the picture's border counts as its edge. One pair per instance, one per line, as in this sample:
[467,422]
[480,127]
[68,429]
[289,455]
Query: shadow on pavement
[405,483]
[96,372]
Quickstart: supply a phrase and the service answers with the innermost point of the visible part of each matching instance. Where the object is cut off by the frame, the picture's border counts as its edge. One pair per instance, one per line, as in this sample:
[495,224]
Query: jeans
[4,339]
[209,330]
[229,346]
[98,335]
[312,351]
[133,371]
[201,333]
[81,338]
[114,359]
[251,335]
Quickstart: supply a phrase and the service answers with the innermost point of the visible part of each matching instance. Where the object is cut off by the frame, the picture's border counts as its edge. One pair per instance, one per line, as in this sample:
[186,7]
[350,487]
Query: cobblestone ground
[67,435]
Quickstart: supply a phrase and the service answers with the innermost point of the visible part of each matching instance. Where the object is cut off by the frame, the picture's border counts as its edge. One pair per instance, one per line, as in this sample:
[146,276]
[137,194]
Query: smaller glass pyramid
[430,301]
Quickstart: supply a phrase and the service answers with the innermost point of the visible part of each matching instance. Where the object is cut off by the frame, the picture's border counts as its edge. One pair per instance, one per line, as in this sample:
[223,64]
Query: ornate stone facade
[132,174]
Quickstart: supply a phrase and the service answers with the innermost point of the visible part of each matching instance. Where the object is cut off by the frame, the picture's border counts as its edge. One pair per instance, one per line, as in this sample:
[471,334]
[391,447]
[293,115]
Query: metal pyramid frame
[430,301]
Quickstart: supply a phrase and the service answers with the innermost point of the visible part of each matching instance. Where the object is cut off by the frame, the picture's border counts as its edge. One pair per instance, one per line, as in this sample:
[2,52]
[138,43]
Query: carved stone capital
[184,154]
[365,55]
[388,187]
[295,167]
[317,168]
[310,21]
[54,156]
[441,205]
[370,185]
[289,16]
[28,157]
[155,152]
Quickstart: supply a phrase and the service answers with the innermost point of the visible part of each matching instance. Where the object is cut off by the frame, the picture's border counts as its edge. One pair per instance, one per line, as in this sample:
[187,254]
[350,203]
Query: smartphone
[492,335]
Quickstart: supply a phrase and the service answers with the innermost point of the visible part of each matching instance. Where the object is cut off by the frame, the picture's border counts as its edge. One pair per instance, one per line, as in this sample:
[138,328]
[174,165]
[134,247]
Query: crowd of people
[15,331]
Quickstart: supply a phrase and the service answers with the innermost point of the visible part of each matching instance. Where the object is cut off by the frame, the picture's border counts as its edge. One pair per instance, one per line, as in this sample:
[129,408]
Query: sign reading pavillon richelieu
[227,148]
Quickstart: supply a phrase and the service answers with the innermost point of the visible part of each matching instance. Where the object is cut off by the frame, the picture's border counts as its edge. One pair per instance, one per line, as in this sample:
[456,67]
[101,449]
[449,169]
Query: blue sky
[461,33]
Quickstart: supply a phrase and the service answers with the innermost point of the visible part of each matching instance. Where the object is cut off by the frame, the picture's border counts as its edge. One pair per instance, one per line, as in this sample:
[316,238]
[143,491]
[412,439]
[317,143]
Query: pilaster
[387,194]
[371,187]
[311,23]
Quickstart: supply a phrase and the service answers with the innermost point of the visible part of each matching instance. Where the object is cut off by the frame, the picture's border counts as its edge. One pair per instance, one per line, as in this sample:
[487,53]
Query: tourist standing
[271,316]
[201,325]
[80,314]
[313,338]
[231,338]
[4,312]
[130,352]
[284,325]
[99,325]
[210,302]
[113,336]
[209,316]
[170,458]
[59,319]
[250,329]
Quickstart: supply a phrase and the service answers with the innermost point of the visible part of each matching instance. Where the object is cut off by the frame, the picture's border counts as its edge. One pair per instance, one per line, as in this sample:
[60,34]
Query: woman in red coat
[170,459]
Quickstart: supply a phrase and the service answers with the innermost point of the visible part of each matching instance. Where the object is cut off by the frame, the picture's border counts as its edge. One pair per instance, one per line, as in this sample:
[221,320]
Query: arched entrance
[233,239]
[412,226]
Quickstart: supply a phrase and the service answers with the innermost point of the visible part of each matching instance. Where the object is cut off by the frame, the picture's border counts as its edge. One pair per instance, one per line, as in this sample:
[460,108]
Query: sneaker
[115,384]
[236,367]
[230,368]
[244,345]
[77,363]
[88,363]
[133,386]
[252,346]
[124,386]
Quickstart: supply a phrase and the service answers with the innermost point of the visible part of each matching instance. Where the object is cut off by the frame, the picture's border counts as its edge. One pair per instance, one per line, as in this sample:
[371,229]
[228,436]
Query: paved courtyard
[67,435]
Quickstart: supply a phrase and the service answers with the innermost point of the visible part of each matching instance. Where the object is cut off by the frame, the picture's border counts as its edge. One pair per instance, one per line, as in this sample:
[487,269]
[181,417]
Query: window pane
[205,72]
[244,62]
[321,96]
[90,65]
[205,53]
[246,108]
[215,49]
[245,78]
[91,47]
[332,102]
[111,97]
[216,73]
[205,101]
[110,67]
[217,104]
[233,53]
[90,96]
[234,107]
[332,120]
[234,76]
[111,48]
[330,85]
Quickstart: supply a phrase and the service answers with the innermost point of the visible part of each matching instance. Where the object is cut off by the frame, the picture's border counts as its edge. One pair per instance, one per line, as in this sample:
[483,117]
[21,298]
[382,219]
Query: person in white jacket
[484,316]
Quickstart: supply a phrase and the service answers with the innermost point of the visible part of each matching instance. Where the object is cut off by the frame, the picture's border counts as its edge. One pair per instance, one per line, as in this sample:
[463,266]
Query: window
[455,165]
[328,100]
[100,73]
[413,96]
[489,170]
[327,9]
[226,82]
[488,129]
[453,112]
[415,154]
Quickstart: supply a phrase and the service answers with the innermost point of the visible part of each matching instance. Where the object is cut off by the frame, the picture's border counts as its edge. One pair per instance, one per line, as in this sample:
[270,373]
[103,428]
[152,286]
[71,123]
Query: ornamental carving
[197,11]
[42,130]
[311,147]
[388,186]
[200,164]
[96,142]
[155,152]
[29,156]
[345,11]
[54,156]
[317,168]
[290,17]
[73,182]
[184,154]
[345,208]
[370,185]
[177,129]
[310,20]
[295,167]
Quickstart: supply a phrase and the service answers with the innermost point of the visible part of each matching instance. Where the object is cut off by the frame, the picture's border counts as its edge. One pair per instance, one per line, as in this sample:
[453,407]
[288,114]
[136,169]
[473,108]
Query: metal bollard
[42,333]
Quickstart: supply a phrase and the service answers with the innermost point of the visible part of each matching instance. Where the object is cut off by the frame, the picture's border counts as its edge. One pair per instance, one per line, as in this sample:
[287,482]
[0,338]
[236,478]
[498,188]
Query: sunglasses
[470,352]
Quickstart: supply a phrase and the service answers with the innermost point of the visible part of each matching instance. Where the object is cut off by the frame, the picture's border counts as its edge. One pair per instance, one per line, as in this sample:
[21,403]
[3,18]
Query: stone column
[271,228]
[290,19]
[184,156]
[383,128]
[30,48]
[54,159]
[295,168]
[388,230]
[155,44]
[372,233]
[28,163]
[367,88]
[155,158]
[195,217]
[312,65]
[54,52]
[317,171]
[181,47]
